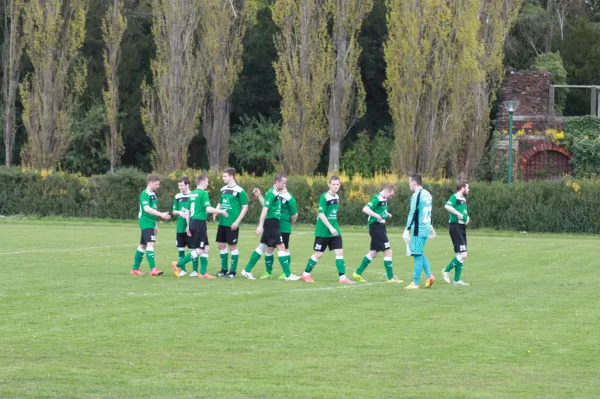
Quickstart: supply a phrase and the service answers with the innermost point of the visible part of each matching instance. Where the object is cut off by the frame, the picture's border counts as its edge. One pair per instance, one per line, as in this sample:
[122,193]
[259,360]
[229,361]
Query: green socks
[181,253]
[235,254]
[203,263]
[137,260]
[269,259]
[224,255]
[458,271]
[451,265]
[185,259]
[389,269]
[340,265]
[194,265]
[150,257]
[312,262]
[365,262]
[252,262]
[285,263]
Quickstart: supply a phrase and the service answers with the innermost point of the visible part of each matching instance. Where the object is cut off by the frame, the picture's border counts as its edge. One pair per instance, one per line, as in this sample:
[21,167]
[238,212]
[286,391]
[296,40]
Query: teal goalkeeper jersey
[419,220]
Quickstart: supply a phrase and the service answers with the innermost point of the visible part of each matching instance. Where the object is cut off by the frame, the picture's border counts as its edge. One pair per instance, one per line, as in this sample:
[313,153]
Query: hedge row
[544,206]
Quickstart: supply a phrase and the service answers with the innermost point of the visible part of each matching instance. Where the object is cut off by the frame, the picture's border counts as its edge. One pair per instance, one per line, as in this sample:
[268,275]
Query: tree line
[90,85]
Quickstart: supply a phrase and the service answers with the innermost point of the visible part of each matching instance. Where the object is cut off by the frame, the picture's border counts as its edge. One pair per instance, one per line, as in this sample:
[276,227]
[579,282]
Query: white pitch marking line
[66,249]
[234,292]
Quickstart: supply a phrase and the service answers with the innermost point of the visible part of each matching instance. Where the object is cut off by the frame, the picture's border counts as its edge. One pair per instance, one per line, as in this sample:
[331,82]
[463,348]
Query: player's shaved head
[334,178]
[278,177]
[201,178]
[417,179]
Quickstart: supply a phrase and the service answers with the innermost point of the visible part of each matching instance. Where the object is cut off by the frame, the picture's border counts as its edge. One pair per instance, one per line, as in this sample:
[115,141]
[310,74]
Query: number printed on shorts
[386,245]
[318,247]
[463,248]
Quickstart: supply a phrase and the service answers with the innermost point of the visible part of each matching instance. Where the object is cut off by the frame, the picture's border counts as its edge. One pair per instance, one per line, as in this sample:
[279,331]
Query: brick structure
[534,156]
[532,90]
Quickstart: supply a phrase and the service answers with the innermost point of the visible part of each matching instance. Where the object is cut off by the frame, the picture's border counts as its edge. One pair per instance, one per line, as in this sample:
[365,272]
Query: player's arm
[216,211]
[369,211]
[293,210]
[323,218]
[411,213]
[450,208]
[258,195]
[164,215]
[261,221]
[241,217]
[244,203]
[214,214]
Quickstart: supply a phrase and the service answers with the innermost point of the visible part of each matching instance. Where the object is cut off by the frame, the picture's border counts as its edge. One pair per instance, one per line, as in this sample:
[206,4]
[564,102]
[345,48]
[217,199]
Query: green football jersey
[328,205]
[419,220]
[460,204]
[232,199]
[288,209]
[198,202]
[181,202]
[378,204]
[146,220]
[273,204]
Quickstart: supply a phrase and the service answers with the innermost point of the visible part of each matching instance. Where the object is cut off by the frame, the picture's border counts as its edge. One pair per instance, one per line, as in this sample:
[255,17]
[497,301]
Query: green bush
[568,205]
[582,139]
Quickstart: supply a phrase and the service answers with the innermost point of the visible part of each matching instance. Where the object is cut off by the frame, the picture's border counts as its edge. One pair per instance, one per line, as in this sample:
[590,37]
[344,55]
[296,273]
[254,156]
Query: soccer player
[269,230]
[196,228]
[181,205]
[459,219]
[327,233]
[376,209]
[289,215]
[419,225]
[234,200]
[148,212]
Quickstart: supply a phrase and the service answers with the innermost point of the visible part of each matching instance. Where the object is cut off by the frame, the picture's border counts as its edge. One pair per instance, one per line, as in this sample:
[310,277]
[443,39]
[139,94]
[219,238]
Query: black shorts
[458,234]
[182,240]
[321,243]
[271,236]
[226,235]
[199,236]
[379,238]
[286,239]
[147,236]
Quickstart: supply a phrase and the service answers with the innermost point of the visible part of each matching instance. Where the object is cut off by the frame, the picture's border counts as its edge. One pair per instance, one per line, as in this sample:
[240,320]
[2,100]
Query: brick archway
[545,160]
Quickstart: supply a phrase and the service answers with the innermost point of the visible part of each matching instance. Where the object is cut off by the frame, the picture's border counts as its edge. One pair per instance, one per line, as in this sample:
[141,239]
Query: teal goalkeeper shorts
[417,245]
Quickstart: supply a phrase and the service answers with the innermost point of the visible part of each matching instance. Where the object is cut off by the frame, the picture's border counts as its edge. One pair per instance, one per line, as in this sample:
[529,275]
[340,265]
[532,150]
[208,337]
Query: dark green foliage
[369,155]
[255,145]
[570,206]
[582,139]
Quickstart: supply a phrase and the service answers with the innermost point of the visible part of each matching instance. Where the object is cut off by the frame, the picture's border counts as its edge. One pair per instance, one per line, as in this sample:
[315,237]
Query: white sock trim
[459,259]
[204,256]
[194,255]
[387,259]
[141,249]
[149,249]
[223,251]
[261,248]
[273,254]
[340,257]
[368,256]
[235,252]
[313,259]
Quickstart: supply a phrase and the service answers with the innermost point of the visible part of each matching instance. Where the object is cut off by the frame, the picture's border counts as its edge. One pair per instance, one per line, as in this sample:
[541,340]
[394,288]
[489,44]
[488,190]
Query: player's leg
[319,246]
[269,260]
[368,258]
[389,267]
[232,240]
[150,238]
[427,266]
[284,259]
[456,242]
[340,265]
[286,243]
[223,254]
[204,246]
[416,250]
[461,256]
[254,258]
[139,256]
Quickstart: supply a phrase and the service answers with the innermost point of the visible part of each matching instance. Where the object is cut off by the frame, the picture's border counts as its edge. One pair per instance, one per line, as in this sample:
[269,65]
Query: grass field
[75,324]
